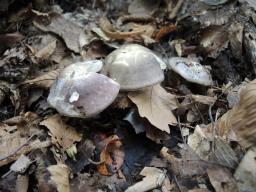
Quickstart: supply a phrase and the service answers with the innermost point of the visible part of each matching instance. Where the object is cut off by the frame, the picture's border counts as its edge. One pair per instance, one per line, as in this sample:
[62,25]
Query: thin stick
[175,10]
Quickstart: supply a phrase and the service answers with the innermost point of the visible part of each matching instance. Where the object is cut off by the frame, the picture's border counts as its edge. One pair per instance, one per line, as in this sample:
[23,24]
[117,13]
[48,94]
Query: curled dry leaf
[69,31]
[44,81]
[240,120]
[153,178]
[62,135]
[155,104]
[60,177]
[113,33]
[112,156]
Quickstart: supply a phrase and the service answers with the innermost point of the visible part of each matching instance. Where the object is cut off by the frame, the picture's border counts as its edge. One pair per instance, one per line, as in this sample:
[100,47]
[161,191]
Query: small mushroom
[190,70]
[81,92]
[134,67]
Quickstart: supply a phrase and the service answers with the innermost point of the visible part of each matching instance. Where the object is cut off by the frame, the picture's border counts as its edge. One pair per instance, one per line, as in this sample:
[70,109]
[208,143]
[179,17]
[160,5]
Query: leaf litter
[188,127]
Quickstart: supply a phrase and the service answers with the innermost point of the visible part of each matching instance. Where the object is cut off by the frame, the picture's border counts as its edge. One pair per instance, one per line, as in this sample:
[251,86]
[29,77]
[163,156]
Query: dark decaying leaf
[67,30]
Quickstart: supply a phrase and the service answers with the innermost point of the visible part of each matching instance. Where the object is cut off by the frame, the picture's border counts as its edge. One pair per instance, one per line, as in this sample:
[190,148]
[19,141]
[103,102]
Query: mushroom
[190,70]
[81,92]
[134,67]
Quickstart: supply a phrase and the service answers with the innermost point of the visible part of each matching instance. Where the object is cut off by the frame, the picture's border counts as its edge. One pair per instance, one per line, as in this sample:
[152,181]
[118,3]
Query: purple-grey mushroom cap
[134,67]
[82,94]
[190,70]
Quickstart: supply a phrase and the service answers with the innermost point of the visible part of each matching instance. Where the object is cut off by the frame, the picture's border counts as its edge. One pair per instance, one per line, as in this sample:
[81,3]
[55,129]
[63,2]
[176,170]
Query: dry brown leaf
[222,180]
[47,51]
[60,177]
[69,31]
[111,163]
[44,81]
[61,134]
[153,178]
[155,104]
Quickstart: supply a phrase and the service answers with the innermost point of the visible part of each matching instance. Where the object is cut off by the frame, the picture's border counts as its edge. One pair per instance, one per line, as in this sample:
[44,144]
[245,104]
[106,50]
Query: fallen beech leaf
[69,31]
[44,81]
[60,177]
[222,180]
[153,178]
[245,173]
[155,104]
[62,134]
[112,156]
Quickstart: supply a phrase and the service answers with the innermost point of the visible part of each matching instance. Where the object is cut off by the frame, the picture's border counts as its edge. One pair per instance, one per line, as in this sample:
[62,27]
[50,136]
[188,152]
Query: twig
[175,10]
[180,130]
[17,149]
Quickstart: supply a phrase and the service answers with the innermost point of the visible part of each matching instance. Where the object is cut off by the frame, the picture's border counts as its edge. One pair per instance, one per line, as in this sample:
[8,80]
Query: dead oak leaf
[62,134]
[156,104]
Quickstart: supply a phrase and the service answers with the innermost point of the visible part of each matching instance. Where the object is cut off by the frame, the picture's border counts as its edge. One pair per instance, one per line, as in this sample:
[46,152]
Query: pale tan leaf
[47,51]
[153,178]
[61,134]
[155,104]
[60,177]
[44,81]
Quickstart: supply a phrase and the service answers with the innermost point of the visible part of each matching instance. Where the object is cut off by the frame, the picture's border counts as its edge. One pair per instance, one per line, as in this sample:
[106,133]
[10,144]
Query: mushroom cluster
[80,91]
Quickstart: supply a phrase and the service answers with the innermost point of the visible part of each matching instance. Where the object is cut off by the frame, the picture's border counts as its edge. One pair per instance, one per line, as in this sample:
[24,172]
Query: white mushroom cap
[190,70]
[80,93]
[134,67]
